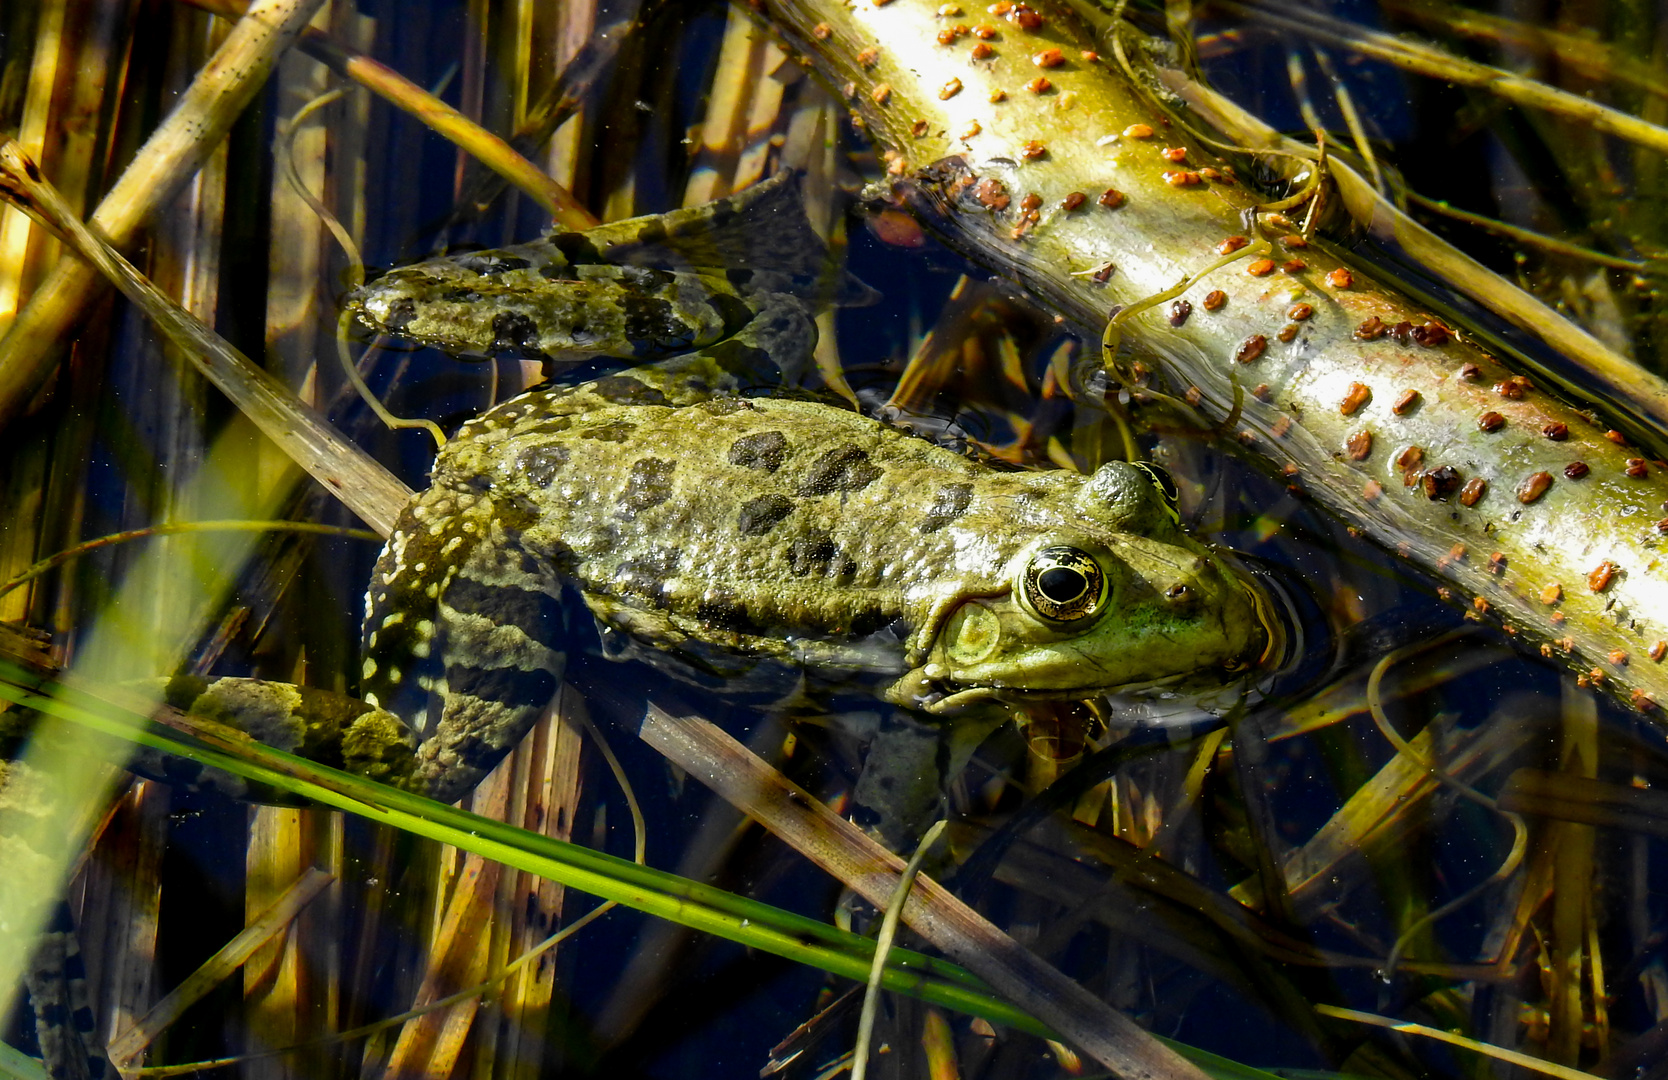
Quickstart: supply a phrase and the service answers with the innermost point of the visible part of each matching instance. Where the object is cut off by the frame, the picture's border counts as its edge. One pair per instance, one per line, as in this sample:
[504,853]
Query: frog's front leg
[909,764]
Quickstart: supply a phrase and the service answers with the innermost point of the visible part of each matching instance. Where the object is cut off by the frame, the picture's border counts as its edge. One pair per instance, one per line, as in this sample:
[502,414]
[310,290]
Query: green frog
[723,524]
[732,534]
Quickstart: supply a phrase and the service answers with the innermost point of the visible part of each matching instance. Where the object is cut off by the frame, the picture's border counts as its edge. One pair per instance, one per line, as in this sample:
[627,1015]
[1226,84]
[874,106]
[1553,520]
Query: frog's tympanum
[728,536]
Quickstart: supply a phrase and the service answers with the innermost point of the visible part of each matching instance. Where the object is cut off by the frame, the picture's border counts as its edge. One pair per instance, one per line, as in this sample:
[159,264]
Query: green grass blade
[692,904]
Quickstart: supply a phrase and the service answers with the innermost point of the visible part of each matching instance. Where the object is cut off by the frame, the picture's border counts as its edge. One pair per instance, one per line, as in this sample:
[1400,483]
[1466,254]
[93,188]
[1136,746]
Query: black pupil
[1062,585]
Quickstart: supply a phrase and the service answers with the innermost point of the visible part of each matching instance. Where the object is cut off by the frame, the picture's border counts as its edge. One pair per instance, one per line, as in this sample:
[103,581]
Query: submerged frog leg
[774,349]
[771,351]
[909,761]
[644,288]
[64,1024]
[757,233]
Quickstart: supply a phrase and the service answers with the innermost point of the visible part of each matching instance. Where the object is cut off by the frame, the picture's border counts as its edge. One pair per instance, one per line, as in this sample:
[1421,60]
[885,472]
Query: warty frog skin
[724,527]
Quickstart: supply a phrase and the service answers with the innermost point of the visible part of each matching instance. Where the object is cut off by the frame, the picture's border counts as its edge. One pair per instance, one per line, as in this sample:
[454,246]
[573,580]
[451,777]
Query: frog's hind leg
[461,616]
[771,351]
[64,1020]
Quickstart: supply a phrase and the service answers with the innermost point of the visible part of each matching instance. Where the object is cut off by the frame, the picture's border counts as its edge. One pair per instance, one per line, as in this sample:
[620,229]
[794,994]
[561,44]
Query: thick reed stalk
[1039,150]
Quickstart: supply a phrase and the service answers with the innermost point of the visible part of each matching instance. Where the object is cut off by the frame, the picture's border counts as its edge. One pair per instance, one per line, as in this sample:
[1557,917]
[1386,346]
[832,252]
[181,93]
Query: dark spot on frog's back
[652,232]
[512,330]
[652,326]
[950,503]
[540,464]
[739,278]
[645,576]
[725,612]
[735,311]
[725,406]
[576,247]
[816,553]
[615,431]
[739,358]
[764,450]
[717,214]
[758,516]
[400,314]
[866,622]
[844,468]
[646,277]
[649,484]
[624,390]
[491,262]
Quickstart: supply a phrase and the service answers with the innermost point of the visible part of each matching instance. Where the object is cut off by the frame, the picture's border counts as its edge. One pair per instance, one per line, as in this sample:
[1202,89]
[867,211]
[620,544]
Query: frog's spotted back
[745,541]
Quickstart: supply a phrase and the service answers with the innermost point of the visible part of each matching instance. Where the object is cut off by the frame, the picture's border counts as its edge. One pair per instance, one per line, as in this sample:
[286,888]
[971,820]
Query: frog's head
[1123,600]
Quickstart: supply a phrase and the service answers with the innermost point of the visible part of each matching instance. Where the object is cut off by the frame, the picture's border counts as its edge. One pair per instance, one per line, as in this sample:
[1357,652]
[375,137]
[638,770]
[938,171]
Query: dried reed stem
[170,157]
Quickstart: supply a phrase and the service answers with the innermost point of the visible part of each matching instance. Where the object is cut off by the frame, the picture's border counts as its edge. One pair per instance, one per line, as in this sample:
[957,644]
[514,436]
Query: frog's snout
[1267,614]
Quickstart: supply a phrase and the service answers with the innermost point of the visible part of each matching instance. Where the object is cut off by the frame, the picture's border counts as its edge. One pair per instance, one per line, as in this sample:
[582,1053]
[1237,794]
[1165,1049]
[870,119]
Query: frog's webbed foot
[760,236]
[773,350]
[901,788]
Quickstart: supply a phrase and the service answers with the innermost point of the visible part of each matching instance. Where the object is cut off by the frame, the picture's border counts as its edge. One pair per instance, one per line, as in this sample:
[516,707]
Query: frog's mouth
[938,695]
[948,700]
[1286,612]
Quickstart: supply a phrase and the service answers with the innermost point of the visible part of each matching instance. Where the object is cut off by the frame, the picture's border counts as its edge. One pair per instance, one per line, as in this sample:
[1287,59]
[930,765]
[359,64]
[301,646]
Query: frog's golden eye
[1165,485]
[1064,584]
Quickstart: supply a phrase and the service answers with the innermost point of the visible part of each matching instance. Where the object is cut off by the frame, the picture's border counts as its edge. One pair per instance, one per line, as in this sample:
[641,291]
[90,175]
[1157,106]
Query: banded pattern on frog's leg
[644,288]
[54,975]
[462,617]
[773,349]
[65,1026]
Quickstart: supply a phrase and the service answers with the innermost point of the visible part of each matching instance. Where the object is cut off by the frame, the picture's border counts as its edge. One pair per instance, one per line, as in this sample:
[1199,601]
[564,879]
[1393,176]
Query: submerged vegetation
[1427,843]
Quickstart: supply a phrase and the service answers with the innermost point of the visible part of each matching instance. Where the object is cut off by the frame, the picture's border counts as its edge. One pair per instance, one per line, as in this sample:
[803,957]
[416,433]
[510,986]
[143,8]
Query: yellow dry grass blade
[176,150]
[1525,1061]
